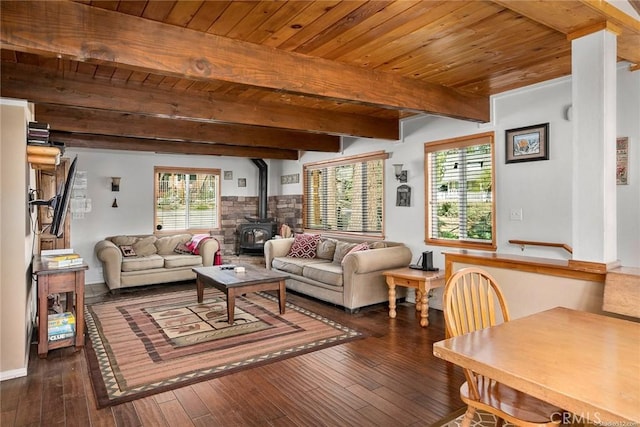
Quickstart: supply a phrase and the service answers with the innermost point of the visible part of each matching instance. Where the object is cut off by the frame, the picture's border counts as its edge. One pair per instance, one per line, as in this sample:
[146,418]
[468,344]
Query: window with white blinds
[460,192]
[187,199]
[345,195]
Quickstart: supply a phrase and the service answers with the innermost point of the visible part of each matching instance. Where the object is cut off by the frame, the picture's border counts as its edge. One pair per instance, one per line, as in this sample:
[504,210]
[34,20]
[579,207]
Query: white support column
[594,147]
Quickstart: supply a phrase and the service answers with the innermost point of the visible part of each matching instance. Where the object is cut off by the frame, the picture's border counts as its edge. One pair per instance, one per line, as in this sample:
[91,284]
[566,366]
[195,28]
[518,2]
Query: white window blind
[187,199]
[346,195]
[460,192]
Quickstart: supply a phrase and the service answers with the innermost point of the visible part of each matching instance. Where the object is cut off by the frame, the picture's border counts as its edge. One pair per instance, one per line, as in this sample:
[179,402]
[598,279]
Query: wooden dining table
[586,363]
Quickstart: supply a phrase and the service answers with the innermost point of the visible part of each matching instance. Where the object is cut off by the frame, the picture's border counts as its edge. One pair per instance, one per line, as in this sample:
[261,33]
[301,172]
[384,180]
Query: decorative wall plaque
[293,178]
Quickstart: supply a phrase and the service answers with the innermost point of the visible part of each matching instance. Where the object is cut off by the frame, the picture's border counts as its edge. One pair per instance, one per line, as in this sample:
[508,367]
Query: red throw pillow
[304,246]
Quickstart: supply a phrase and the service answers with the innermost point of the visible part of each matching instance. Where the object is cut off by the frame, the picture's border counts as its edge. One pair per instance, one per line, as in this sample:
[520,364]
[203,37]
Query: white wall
[17,292]
[542,188]
[628,197]
[134,214]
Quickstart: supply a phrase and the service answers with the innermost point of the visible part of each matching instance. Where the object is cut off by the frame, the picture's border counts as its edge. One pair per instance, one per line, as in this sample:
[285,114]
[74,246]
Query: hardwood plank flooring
[390,378]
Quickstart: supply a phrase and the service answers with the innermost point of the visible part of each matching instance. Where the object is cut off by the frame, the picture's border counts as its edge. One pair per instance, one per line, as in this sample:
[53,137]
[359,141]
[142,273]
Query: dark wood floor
[390,378]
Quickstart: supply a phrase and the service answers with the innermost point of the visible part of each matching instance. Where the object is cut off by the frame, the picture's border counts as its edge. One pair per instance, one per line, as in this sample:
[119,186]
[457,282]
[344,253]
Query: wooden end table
[231,283]
[421,281]
[70,281]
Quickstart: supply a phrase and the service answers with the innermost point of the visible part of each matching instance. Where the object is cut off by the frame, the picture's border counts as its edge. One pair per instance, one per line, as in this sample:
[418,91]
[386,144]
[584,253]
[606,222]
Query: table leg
[392,298]
[199,288]
[79,302]
[231,305]
[282,296]
[424,306]
[418,300]
[43,316]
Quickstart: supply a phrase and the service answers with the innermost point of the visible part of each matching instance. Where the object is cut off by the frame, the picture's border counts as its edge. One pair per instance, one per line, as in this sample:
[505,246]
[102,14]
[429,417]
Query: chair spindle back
[470,298]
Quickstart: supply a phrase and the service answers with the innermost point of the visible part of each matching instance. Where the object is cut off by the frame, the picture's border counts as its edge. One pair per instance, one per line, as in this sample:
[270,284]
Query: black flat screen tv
[60,202]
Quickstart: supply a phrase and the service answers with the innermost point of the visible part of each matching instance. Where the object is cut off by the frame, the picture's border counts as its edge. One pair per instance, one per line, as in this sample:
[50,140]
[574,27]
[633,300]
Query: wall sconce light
[115,183]
[401,175]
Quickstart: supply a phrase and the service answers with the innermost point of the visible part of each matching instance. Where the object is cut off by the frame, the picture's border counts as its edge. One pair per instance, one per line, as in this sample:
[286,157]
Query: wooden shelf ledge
[524,243]
[579,270]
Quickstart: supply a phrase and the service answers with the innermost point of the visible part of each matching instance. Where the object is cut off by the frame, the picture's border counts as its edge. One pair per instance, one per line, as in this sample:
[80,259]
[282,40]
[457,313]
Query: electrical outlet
[515,214]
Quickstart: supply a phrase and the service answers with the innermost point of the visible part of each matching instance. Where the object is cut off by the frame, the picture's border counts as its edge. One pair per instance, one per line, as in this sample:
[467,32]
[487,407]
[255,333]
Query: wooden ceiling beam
[77,31]
[82,120]
[48,86]
[110,142]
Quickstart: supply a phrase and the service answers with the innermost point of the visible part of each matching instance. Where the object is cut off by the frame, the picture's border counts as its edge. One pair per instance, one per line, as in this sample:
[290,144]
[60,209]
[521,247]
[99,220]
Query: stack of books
[62,260]
[38,133]
[41,152]
[61,326]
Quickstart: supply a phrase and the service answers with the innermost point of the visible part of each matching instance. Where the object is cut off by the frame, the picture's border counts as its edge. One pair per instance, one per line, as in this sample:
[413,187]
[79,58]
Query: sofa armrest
[111,257]
[377,259]
[208,250]
[276,248]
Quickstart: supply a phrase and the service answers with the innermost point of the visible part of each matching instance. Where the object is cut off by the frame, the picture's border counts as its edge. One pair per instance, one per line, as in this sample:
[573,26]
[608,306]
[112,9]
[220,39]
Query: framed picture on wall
[527,144]
[242,182]
[403,196]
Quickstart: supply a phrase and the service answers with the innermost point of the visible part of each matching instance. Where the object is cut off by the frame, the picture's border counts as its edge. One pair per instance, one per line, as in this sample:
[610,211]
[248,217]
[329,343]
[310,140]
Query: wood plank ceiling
[272,78]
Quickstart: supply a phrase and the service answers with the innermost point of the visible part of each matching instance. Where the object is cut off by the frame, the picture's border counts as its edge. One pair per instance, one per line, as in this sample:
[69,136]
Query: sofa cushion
[144,246]
[378,245]
[294,265]
[166,244]
[182,249]
[328,273]
[364,246]
[124,240]
[142,263]
[173,261]
[304,246]
[342,249]
[326,248]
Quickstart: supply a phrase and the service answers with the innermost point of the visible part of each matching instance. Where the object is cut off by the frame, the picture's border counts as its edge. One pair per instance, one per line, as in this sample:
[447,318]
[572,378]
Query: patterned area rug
[481,419]
[145,345]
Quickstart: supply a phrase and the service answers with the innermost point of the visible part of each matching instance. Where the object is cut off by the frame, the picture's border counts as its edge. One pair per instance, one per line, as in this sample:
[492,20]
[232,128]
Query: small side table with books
[52,280]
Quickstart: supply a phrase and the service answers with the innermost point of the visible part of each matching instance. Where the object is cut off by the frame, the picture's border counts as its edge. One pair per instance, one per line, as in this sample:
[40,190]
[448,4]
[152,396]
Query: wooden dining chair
[473,301]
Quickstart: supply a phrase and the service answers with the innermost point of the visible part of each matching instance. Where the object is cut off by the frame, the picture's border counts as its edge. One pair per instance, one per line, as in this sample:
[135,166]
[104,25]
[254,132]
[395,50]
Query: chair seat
[510,404]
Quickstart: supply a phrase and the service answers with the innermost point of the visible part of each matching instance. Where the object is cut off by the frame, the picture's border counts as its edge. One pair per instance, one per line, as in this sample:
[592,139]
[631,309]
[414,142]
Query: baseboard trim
[13,373]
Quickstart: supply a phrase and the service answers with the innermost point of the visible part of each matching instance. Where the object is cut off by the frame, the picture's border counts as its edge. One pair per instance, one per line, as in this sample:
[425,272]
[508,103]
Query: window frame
[186,171]
[360,158]
[447,144]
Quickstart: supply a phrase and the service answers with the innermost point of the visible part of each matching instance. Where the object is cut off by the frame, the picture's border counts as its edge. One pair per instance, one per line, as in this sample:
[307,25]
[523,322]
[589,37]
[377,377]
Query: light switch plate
[515,214]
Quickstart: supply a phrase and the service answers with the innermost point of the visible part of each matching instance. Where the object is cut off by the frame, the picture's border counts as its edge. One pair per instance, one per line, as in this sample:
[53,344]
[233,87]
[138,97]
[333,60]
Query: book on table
[62,336]
[62,260]
[61,326]
[59,319]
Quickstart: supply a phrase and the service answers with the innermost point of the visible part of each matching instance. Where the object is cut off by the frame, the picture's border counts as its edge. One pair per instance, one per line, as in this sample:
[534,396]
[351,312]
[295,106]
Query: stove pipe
[262,187]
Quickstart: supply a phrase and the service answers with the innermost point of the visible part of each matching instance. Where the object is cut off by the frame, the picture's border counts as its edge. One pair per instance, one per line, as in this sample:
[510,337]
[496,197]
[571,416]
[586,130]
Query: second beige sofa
[352,281]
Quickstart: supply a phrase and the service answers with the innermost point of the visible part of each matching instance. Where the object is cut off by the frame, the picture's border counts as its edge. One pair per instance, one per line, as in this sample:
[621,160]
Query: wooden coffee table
[231,283]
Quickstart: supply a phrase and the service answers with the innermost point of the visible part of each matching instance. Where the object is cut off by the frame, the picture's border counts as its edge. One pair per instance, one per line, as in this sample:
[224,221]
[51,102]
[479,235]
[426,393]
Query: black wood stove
[253,234]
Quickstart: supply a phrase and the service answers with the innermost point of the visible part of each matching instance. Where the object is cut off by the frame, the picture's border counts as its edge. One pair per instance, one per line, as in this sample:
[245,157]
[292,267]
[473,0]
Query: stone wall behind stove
[282,209]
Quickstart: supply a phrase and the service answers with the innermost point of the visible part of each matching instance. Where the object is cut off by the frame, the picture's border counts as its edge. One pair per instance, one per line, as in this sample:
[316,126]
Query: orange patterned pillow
[304,246]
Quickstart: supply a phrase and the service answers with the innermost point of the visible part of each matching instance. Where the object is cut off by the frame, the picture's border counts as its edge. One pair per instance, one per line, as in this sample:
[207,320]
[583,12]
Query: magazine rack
[69,280]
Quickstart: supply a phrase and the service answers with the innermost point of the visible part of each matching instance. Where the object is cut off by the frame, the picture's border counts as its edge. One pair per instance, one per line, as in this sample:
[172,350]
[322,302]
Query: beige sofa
[155,259]
[350,281]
